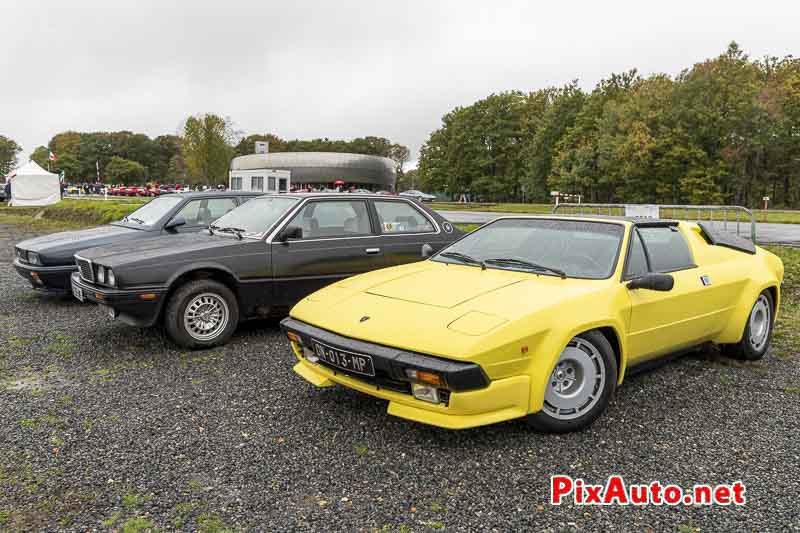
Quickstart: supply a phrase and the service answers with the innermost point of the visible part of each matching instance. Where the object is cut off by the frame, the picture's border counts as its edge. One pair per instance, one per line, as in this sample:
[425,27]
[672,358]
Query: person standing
[8,191]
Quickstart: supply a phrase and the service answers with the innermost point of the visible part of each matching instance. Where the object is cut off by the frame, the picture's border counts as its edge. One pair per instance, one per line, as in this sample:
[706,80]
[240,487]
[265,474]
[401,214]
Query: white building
[259,180]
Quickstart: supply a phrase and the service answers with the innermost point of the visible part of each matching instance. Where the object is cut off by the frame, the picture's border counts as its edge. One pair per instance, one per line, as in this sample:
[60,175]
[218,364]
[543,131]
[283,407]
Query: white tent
[33,185]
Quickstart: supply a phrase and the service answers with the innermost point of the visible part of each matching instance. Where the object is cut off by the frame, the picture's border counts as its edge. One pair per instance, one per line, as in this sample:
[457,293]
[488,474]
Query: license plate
[352,362]
[77,292]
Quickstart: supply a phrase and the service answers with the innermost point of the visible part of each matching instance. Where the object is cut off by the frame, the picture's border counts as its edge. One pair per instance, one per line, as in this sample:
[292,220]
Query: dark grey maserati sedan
[257,260]
[47,262]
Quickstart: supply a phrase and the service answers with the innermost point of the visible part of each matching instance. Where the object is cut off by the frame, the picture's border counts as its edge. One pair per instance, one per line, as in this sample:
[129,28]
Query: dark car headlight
[34,259]
[22,255]
[105,276]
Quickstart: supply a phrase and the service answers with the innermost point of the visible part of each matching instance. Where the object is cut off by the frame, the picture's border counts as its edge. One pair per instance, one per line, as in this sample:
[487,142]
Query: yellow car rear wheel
[580,385]
[757,333]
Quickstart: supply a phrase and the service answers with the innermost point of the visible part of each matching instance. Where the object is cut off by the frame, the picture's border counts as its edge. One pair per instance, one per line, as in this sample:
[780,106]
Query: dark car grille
[87,272]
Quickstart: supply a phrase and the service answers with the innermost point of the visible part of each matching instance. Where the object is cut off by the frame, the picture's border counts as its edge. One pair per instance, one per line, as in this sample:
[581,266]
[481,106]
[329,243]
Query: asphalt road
[107,427]
[766,233]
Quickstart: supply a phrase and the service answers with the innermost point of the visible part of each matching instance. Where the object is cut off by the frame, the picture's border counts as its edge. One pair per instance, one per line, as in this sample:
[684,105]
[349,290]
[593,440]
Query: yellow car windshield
[565,248]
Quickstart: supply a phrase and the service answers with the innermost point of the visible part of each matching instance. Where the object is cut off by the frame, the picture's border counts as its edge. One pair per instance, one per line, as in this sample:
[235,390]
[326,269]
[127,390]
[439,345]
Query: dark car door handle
[373,251]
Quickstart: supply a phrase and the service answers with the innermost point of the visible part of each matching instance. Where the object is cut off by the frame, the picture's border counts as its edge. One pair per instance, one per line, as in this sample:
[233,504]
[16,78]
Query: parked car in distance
[418,195]
[536,317]
[257,260]
[47,262]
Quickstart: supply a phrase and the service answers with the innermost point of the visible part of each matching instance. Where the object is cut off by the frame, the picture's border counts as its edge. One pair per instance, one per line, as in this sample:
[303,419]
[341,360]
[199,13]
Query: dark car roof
[206,194]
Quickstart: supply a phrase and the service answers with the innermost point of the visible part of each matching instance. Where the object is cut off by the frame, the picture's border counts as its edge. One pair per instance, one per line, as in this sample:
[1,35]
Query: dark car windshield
[574,248]
[255,217]
[152,211]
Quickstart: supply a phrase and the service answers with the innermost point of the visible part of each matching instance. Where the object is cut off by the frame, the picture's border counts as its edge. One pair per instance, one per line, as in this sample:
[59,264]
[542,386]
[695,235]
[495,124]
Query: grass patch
[361,450]
[132,500]
[212,523]
[62,345]
[68,214]
[137,525]
[113,519]
[786,335]
[20,342]
[437,507]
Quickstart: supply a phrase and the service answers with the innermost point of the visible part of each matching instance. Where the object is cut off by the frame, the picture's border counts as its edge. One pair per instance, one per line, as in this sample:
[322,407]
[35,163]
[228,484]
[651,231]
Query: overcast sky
[340,69]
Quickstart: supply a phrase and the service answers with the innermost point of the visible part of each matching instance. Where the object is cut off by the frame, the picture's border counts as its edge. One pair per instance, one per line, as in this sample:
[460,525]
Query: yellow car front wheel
[580,385]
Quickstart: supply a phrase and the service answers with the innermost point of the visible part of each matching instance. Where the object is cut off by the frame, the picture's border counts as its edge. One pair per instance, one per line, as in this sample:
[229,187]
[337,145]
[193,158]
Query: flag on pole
[52,156]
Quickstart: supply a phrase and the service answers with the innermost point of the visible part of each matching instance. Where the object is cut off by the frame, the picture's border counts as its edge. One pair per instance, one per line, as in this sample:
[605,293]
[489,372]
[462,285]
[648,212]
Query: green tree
[206,147]
[8,154]
[119,170]
[400,155]
[41,156]
[248,144]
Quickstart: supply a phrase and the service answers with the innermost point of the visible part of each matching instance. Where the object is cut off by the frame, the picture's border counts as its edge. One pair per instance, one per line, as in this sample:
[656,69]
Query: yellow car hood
[454,311]
[442,287]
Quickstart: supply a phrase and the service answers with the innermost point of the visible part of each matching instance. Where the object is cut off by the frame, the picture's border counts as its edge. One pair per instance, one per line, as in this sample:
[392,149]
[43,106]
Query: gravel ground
[109,427]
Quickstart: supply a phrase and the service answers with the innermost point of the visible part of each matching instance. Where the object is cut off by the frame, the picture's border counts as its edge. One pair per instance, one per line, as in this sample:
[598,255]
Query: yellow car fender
[732,333]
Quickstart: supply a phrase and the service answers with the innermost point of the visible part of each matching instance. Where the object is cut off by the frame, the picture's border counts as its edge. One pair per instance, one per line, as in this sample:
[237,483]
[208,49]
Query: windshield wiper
[236,231]
[464,258]
[509,261]
[137,220]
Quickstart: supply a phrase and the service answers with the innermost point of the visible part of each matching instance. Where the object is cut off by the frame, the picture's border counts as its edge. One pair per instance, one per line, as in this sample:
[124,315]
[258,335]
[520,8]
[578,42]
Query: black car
[47,262]
[257,260]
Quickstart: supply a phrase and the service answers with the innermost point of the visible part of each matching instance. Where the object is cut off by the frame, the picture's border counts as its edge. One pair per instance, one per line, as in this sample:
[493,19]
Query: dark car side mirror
[175,223]
[427,250]
[291,233]
[653,282]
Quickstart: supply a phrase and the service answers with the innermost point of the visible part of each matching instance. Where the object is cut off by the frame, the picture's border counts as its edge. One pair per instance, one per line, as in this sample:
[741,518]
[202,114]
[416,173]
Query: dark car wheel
[580,386]
[757,333]
[201,314]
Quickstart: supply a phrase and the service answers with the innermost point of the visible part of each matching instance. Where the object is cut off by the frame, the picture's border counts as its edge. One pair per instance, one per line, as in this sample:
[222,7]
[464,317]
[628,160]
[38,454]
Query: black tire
[546,421]
[746,349]
[186,295]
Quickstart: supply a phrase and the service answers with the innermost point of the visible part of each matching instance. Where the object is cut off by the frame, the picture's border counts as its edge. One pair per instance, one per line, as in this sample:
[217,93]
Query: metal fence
[720,215]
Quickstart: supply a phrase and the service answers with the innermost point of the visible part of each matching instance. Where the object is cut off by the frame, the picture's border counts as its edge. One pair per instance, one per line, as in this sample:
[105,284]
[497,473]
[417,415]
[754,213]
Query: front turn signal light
[425,377]
[294,337]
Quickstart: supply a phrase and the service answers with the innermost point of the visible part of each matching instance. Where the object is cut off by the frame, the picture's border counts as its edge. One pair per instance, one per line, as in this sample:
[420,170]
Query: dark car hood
[58,248]
[145,250]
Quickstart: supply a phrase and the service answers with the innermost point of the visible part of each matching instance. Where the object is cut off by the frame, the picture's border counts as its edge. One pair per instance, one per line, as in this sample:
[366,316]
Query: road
[766,233]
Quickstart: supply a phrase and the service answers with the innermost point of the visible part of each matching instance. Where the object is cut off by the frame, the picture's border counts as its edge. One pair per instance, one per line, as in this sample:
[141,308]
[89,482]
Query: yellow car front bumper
[502,399]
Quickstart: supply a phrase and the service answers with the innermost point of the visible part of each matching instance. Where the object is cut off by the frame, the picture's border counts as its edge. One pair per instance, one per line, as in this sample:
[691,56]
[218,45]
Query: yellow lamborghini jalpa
[536,317]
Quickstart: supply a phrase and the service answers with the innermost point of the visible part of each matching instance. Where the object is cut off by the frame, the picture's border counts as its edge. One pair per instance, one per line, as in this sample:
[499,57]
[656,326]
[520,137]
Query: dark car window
[637,261]
[401,217]
[154,210]
[204,211]
[666,248]
[338,218]
[256,216]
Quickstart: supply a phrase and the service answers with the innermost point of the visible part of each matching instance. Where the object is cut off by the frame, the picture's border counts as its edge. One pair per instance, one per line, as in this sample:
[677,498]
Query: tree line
[726,130]
[200,155]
